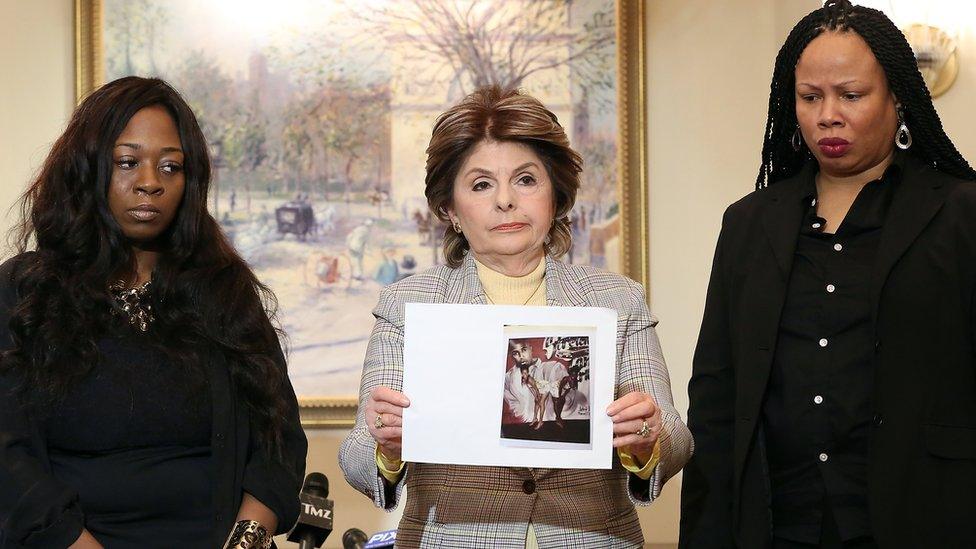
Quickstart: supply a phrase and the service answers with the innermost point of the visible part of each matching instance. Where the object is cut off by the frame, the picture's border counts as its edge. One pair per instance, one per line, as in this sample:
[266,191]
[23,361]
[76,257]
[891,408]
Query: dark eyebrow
[837,85]
[137,147]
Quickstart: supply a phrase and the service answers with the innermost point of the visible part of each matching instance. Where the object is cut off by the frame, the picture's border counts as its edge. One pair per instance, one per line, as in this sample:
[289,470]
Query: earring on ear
[457,226]
[797,139]
[903,137]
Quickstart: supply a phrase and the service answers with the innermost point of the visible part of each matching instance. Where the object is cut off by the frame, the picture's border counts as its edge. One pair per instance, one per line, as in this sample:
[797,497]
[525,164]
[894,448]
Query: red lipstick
[833,147]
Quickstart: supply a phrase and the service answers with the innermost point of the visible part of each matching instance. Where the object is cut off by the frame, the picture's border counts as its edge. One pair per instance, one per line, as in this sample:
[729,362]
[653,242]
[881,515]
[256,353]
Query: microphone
[381,540]
[354,538]
[315,521]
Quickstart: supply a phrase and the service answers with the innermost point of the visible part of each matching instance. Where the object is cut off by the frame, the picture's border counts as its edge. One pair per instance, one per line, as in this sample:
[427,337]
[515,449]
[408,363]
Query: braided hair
[931,144]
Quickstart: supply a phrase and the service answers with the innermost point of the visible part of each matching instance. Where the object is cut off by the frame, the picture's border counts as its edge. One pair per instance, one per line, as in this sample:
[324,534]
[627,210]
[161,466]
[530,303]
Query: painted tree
[211,95]
[505,42]
[133,36]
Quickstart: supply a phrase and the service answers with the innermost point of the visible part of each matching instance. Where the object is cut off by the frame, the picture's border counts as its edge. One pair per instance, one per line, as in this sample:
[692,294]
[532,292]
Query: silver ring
[378,422]
[645,430]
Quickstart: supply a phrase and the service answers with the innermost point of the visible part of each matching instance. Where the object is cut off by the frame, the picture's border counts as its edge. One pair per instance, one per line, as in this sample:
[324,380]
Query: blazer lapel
[465,287]
[920,196]
[783,215]
[560,290]
[765,290]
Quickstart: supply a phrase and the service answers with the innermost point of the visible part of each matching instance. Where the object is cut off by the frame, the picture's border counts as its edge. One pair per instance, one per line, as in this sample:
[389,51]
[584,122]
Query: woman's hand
[388,432]
[628,414]
[86,541]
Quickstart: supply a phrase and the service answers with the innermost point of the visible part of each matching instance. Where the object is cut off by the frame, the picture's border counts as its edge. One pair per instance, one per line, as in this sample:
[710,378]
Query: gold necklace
[528,299]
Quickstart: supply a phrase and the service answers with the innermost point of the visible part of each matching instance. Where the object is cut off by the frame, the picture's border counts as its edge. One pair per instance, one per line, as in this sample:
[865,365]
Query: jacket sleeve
[383,367]
[642,368]
[35,509]
[706,492]
[277,480]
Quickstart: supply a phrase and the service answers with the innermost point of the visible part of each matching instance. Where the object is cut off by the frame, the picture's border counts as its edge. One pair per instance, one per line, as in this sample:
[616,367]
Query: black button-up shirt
[817,413]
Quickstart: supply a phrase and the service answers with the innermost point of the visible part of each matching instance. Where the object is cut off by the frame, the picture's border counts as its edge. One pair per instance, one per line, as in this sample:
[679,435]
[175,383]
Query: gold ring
[378,422]
[644,431]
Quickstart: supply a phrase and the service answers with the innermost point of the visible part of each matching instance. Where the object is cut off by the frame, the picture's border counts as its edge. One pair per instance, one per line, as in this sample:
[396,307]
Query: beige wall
[36,90]
[708,70]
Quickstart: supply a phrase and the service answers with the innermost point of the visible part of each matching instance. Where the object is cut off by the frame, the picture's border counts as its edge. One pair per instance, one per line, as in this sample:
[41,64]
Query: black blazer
[38,511]
[922,457]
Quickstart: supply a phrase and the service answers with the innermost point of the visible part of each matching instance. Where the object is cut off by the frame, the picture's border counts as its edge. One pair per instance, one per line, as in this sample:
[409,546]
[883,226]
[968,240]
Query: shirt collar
[869,208]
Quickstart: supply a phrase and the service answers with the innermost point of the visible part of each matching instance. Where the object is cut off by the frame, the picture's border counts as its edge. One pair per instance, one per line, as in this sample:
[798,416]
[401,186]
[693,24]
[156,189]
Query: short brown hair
[494,114]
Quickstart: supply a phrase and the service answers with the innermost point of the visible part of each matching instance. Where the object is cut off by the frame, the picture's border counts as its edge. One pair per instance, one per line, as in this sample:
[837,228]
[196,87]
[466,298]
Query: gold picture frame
[632,163]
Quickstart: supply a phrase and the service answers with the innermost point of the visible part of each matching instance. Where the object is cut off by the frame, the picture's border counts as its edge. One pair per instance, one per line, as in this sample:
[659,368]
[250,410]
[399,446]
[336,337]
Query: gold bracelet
[248,534]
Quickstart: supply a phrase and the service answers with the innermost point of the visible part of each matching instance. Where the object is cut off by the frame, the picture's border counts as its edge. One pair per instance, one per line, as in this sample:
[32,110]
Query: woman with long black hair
[833,393]
[145,395]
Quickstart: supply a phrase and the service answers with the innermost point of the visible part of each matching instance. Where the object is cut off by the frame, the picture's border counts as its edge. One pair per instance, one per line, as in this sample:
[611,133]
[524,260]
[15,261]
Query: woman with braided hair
[833,393]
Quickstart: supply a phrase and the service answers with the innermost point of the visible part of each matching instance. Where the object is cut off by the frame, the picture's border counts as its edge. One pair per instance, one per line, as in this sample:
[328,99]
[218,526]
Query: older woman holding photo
[501,173]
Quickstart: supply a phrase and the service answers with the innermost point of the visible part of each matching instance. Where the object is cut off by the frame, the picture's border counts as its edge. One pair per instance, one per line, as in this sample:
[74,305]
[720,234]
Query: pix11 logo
[381,540]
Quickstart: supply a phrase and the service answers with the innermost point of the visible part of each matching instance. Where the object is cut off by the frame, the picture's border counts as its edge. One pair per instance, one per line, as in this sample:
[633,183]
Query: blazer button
[528,486]
[877,345]
[878,420]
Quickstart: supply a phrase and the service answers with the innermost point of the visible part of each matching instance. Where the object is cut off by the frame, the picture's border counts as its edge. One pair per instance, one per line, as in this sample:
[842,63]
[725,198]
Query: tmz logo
[316,512]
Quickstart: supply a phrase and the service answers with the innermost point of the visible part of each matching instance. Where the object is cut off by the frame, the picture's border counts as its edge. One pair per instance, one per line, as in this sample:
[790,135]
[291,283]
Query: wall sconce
[932,28]
[935,51]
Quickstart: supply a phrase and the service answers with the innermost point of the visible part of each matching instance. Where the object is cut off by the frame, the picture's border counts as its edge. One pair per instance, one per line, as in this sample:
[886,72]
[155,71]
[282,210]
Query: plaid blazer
[462,506]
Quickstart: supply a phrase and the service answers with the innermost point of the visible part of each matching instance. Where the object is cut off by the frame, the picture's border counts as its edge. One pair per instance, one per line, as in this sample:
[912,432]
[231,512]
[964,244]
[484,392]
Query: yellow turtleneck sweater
[502,289]
[529,289]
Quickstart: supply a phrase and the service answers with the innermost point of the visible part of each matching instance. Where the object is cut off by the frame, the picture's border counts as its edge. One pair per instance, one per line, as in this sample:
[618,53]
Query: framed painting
[318,113]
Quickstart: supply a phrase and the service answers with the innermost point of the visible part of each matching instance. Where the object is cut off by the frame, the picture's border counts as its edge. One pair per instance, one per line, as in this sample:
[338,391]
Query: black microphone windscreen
[314,522]
[316,484]
[354,538]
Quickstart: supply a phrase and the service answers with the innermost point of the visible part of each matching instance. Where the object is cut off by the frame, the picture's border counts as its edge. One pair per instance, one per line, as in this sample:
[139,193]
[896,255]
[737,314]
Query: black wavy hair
[931,144]
[205,297]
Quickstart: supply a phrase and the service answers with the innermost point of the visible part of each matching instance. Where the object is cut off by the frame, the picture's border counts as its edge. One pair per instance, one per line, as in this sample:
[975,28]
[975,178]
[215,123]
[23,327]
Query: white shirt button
[823,342]
[831,288]
[838,247]
[816,225]
[818,399]
[823,457]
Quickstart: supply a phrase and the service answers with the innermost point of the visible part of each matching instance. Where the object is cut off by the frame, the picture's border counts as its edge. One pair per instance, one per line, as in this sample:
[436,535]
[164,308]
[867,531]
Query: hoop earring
[797,139]
[456,225]
[903,137]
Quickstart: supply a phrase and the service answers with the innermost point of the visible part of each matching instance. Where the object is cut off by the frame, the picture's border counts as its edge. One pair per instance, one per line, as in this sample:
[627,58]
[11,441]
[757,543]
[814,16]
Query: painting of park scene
[318,115]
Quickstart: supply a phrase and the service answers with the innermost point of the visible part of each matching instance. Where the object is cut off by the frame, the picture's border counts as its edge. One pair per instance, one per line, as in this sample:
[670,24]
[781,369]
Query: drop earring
[903,137]
[797,139]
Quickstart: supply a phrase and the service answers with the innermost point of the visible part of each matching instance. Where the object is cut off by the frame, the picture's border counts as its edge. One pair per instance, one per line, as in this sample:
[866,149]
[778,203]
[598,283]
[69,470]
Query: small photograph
[547,387]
